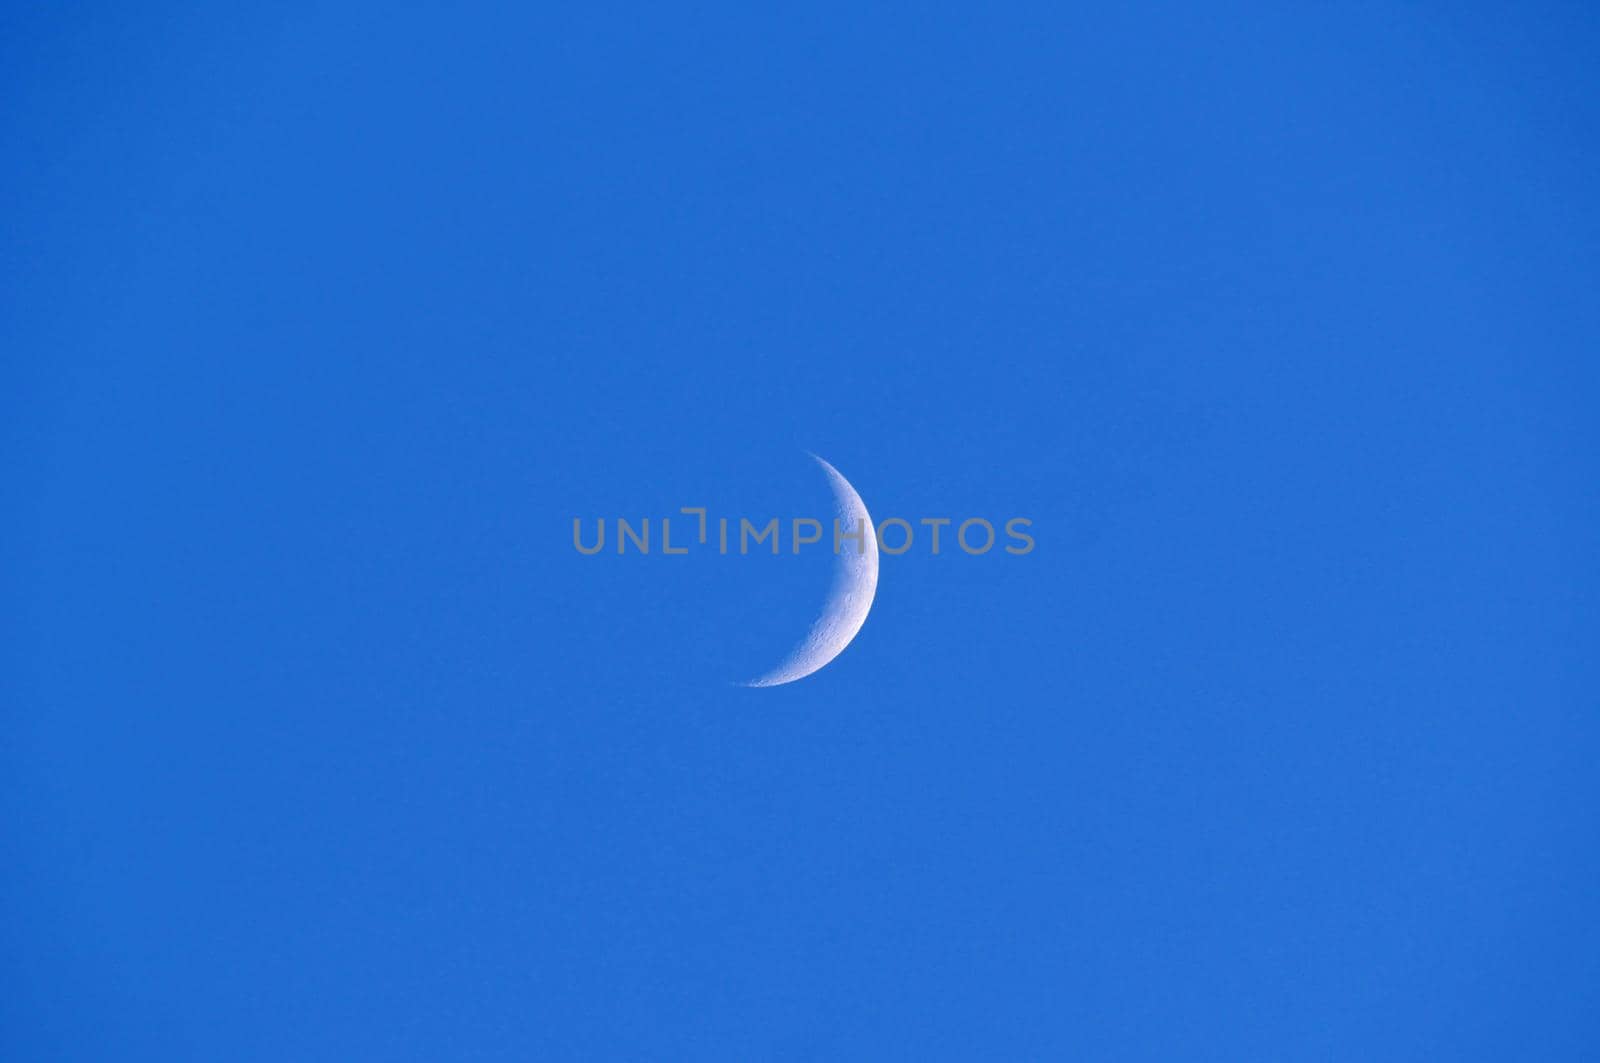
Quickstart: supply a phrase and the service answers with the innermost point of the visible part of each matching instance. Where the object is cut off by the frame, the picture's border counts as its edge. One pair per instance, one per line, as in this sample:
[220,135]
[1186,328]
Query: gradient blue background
[320,326]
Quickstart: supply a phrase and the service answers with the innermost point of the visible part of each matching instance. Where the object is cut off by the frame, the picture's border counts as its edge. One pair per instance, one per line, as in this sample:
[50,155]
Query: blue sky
[322,325]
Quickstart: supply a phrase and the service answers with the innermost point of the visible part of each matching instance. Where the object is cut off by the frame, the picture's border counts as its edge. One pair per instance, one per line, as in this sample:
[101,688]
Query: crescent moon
[855,583]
